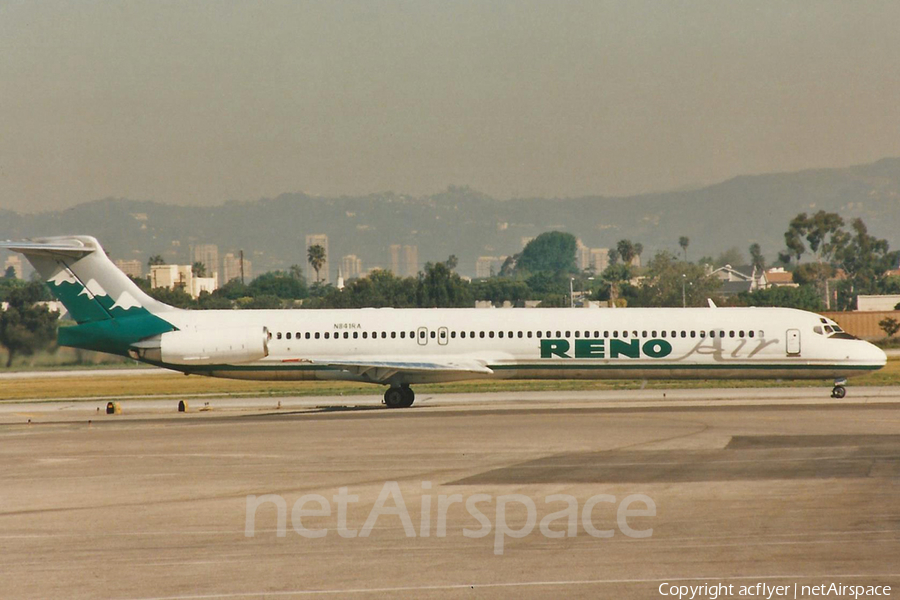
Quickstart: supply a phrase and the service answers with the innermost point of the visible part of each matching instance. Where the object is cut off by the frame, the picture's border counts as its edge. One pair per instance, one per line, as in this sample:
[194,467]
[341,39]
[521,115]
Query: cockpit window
[818,329]
[842,335]
[829,329]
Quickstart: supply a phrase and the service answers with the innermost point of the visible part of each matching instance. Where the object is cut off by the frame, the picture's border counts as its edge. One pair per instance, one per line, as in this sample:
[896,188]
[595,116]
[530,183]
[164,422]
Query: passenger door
[793,342]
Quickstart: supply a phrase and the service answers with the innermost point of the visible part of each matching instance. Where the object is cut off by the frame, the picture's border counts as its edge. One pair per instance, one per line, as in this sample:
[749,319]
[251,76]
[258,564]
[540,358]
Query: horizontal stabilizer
[72,248]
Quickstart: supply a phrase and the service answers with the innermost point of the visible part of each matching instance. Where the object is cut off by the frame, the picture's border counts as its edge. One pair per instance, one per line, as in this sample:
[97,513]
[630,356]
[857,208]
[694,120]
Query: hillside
[461,221]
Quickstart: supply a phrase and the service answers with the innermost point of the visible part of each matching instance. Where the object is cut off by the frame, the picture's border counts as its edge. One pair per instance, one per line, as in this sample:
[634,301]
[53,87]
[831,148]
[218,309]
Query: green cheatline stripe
[664,367]
[545,367]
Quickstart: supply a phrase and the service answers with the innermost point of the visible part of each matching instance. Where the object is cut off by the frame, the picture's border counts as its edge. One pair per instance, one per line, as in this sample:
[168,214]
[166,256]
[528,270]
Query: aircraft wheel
[409,397]
[394,397]
[839,391]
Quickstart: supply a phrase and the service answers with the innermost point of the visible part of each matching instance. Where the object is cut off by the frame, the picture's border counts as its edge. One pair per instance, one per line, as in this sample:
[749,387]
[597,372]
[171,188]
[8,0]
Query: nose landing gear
[839,391]
[399,397]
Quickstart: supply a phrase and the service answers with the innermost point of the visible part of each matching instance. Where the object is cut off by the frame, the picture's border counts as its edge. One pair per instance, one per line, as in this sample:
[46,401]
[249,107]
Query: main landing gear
[399,397]
[839,391]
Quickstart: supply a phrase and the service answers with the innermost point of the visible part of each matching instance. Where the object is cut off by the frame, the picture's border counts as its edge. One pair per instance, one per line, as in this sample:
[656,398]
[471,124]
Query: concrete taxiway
[778,485]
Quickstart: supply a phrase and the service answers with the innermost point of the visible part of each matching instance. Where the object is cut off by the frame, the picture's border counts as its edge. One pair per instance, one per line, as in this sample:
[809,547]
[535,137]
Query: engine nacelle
[208,347]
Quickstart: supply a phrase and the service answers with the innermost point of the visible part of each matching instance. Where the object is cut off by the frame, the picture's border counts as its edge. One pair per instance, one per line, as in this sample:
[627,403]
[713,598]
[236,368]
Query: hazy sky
[202,102]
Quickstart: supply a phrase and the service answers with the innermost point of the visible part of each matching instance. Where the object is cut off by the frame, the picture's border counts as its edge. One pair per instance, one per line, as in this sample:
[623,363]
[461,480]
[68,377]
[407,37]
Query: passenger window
[462,334]
[453,335]
[432,335]
[550,334]
[740,334]
[307,335]
[402,335]
[750,333]
[674,334]
[702,333]
[662,333]
[510,334]
[762,333]
[481,334]
[288,335]
[278,335]
[683,334]
[355,335]
[346,335]
[529,335]
[625,334]
[520,334]
[327,335]
[317,335]
[490,334]
[634,334]
[693,334]
[653,333]
[366,335]
[538,333]
[615,334]
[731,333]
[643,334]
[606,334]
[443,335]
[499,334]
[577,333]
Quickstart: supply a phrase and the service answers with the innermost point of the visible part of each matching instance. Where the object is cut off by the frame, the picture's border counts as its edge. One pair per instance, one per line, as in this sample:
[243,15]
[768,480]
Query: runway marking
[511,584]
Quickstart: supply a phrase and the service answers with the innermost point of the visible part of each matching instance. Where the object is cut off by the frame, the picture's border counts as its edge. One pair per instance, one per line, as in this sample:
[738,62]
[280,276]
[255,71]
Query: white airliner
[400,347]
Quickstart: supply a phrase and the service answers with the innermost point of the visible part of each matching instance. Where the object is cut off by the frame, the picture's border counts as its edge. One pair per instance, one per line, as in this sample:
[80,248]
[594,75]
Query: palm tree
[296,272]
[156,259]
[684,241]
[198,269]
[315,255]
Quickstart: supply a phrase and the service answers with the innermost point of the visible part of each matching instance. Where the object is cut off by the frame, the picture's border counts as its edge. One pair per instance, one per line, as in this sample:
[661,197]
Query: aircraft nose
[875,355]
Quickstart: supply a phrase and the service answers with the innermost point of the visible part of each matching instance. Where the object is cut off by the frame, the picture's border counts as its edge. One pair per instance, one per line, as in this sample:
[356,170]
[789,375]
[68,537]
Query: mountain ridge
[462,221]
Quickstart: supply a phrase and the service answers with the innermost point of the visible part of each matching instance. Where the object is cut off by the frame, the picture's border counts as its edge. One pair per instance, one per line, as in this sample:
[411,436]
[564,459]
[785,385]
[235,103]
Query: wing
[382,370]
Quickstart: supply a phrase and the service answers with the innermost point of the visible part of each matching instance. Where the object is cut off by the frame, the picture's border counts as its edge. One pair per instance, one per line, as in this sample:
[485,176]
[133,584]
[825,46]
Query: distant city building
[411,260]
[181,276]
[351,267]
[318,239]
[599,259]
[404,260]
[15,262]
[208,254]
[488,266]
[232,267]
[132,268]
[582,256]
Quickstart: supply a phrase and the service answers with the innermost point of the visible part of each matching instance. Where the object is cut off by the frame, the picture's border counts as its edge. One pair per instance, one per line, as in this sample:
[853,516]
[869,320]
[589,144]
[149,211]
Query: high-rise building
[232,266]
[132,268]
[599,259]
[351,266]
[208,254]
[488,266]
[16,263]
[395,250]
[404,260]
[318,239]
[411,260]
[582,256]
